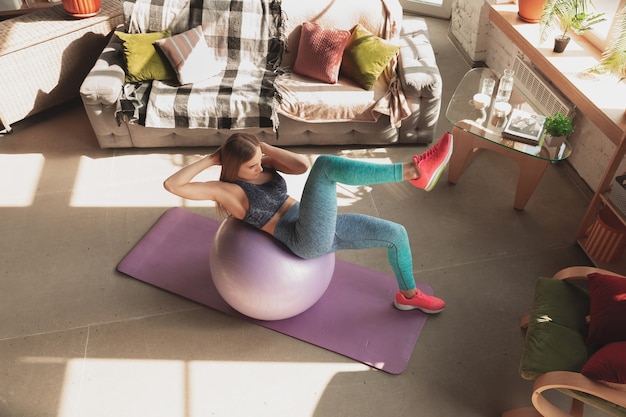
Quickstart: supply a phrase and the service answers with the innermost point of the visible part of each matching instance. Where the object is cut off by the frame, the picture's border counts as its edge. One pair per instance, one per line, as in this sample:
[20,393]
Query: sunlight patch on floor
[172,388]
[20,178]
[123,181]
[137,181]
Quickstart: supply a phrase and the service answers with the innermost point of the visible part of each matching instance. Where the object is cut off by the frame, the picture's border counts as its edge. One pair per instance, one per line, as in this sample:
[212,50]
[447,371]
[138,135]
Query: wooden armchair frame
[565,380]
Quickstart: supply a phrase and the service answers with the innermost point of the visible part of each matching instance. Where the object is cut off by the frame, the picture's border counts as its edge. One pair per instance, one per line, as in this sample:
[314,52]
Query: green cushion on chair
[557,329]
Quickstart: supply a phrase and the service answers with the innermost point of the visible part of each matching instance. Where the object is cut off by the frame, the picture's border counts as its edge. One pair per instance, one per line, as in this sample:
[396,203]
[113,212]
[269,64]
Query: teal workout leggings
[312,228]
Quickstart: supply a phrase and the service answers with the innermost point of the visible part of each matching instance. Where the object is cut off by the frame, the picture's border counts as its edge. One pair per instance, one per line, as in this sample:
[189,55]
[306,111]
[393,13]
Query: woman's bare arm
[283,160]
[181,183]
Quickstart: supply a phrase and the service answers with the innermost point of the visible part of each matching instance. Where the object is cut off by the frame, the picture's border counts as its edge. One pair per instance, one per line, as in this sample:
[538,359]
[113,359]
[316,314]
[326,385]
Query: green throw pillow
[143,61]
[557,329]
[366,56]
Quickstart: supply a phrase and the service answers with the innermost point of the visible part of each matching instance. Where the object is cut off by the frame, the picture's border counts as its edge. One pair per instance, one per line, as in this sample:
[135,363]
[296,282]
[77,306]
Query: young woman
[251,189]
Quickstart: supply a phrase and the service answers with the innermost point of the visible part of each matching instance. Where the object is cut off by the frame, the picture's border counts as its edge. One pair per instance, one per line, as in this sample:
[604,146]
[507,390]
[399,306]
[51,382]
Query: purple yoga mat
[355,317]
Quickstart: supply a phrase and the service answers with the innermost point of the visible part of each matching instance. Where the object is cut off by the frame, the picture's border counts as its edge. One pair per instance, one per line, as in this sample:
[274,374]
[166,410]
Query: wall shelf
[601,98]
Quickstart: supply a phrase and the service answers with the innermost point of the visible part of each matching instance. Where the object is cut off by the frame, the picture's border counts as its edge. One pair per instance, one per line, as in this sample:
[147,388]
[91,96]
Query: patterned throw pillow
[190,56]
[366,56]
[319,52]
[143,61]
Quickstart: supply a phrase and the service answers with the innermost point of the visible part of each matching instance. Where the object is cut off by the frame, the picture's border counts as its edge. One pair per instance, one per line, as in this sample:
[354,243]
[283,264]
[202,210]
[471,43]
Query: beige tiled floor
[79,339]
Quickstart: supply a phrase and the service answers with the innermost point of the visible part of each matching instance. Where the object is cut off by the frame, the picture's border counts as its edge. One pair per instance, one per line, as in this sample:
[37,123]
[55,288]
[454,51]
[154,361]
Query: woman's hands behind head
[283,160]
[215,158]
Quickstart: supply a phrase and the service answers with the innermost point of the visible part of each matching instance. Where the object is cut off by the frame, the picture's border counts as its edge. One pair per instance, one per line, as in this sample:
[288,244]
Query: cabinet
[598,103]
[46,54]
[26,6]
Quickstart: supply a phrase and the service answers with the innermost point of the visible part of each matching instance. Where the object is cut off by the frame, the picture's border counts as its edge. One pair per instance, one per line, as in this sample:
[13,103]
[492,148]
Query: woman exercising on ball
[251,189]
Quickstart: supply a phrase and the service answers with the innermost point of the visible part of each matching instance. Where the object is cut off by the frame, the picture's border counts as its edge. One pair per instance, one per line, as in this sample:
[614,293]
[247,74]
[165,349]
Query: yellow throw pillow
[143,61]
[366,56]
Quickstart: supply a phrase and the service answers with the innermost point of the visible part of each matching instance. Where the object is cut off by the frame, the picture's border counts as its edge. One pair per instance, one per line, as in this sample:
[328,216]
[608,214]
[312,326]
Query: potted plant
[613,59]
[566,15]
[81,8]
[557,127]
[530,10]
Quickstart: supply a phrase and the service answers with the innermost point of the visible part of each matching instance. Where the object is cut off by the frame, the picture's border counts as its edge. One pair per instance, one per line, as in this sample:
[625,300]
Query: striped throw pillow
[190,56]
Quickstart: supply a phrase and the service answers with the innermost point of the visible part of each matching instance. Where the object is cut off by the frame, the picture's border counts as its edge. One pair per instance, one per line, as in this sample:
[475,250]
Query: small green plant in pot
[558,127]
[566,15]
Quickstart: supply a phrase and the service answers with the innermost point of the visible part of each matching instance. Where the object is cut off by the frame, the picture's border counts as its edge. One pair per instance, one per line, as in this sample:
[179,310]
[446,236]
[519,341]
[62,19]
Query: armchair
[576,343]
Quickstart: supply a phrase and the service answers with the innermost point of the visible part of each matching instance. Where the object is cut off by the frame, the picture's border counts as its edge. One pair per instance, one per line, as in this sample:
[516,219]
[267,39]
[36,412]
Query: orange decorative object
[81,8]
[530,10]
[606,238]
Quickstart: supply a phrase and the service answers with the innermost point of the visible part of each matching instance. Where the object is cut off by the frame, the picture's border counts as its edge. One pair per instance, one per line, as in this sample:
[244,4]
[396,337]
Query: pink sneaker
[432,163]
[427,303]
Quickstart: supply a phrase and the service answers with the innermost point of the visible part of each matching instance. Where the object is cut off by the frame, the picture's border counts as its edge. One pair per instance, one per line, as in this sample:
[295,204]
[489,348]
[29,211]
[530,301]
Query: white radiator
[533,85]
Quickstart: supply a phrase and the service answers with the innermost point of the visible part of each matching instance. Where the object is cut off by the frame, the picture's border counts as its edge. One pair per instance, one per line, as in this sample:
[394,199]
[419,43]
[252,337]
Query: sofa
[327,72]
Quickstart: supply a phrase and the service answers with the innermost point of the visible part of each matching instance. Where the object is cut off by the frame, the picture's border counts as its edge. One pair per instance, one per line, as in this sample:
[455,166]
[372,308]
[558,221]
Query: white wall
[482,41]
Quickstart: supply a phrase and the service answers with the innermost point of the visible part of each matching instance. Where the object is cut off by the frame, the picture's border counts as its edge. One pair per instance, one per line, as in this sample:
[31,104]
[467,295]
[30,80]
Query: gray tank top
[264,199]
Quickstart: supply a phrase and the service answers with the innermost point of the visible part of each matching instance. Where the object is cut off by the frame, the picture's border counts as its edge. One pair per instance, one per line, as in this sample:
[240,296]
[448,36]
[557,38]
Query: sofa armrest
[421,82]
[104,81]
[417,66]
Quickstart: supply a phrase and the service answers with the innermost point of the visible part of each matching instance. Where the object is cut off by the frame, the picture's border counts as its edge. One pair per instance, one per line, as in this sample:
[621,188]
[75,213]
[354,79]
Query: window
[436,8]
[600,34]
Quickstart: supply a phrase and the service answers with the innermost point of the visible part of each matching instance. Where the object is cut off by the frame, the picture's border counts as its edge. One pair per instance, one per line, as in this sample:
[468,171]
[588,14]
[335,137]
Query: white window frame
[437,8]
[600,40]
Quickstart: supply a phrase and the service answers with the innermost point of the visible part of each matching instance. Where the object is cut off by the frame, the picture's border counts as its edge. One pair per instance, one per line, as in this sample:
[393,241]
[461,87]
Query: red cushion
[608,364]
[320,51]
[608,310]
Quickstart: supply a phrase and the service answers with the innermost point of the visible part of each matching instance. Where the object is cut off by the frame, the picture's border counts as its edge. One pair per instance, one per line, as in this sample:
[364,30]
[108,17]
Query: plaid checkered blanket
[248,36]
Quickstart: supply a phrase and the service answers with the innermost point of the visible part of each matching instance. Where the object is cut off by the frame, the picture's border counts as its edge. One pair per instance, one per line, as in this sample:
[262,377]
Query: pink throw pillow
[320,51]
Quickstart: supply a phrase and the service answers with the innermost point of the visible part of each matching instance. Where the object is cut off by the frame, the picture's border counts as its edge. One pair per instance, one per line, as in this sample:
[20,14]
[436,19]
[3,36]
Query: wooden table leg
[463,152]
[467,146]
[530,172]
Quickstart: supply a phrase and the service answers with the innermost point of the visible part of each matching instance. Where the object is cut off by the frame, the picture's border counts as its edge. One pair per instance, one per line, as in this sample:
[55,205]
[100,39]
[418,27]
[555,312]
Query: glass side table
[475,129]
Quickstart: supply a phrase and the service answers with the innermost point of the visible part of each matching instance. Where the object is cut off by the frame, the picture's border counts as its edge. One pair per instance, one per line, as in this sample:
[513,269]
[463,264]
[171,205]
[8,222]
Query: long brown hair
[235,151]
